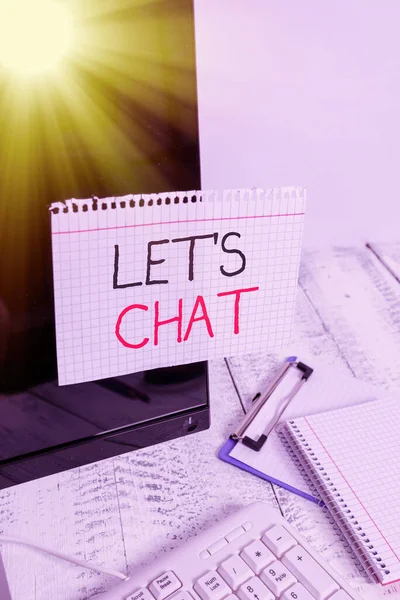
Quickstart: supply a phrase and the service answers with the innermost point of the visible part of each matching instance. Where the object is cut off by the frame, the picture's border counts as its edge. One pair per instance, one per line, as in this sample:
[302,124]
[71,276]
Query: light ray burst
[96,115]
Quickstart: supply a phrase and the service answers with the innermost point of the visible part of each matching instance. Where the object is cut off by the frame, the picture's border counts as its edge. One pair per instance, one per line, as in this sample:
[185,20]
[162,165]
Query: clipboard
[223,454]
[255,413]
[296,390]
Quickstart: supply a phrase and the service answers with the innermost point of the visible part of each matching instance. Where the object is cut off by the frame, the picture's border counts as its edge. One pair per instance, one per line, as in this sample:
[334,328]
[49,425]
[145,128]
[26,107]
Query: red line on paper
[174,222]
[348,483]
[389,582]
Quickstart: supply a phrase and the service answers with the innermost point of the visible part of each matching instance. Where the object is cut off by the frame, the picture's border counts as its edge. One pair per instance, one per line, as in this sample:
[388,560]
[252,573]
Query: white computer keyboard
[252,555]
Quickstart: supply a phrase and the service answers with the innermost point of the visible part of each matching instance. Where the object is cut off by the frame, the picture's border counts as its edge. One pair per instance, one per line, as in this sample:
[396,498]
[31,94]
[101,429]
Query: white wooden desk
[124,512]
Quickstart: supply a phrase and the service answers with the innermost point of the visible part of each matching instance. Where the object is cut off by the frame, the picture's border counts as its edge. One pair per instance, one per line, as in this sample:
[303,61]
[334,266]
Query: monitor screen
[116,114]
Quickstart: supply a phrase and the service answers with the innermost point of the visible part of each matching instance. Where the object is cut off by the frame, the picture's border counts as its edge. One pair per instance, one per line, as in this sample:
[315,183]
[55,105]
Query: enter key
[314,578]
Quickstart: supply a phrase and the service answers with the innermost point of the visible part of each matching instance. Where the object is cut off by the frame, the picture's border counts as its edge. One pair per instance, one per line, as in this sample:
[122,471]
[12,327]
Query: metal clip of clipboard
[260,399]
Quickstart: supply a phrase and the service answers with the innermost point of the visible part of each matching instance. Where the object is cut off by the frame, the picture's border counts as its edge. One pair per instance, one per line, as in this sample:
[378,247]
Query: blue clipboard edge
[224,454]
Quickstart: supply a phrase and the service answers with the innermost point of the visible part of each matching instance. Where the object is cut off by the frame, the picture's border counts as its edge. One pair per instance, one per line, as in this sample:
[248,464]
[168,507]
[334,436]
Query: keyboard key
[217,546]
[314,578]
[247,526]
[142,594]
[279,540]
[235,533]
[235,571]
[211,587]
[165,585]
[340,595]
[257,556]
[297,592]
[254,590]
[277,578]
[182,595]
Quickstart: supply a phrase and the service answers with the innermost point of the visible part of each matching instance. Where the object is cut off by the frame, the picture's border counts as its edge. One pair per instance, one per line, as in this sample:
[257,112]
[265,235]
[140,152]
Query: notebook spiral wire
[172,198]
[95,204]
[367,560]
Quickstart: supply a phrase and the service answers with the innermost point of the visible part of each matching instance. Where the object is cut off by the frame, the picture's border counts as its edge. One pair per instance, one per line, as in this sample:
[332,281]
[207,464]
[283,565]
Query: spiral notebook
[150,281]
[351,458]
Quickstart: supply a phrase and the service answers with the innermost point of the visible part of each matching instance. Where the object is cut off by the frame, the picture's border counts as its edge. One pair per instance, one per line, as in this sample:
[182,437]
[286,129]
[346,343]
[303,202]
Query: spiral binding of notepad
[361,551]
[138,201]
[174,198]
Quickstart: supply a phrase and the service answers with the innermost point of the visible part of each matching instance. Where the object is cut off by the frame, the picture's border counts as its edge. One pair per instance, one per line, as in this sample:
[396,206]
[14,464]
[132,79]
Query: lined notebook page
[149,281]
[358,449]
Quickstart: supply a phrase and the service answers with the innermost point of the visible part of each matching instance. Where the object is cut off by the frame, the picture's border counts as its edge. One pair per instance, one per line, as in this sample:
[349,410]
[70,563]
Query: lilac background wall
[305,93]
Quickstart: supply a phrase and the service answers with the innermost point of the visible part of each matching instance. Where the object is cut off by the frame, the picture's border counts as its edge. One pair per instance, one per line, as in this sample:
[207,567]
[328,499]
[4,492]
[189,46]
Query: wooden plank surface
[124,512]
[357,301]
[389,256]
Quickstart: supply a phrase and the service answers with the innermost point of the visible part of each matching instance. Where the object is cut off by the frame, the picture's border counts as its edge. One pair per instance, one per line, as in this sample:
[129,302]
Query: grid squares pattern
[358,450]
[87,307]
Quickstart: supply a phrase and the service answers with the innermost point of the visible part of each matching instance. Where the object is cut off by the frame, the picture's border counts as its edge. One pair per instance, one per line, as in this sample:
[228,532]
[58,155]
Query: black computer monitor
[117,116]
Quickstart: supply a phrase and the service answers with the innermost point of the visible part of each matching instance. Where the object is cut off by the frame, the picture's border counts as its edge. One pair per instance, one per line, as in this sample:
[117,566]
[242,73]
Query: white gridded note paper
[123,266]
[359,450]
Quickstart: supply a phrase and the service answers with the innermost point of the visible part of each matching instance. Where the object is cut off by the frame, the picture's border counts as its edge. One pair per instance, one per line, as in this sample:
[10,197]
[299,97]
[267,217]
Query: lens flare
[34,35]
